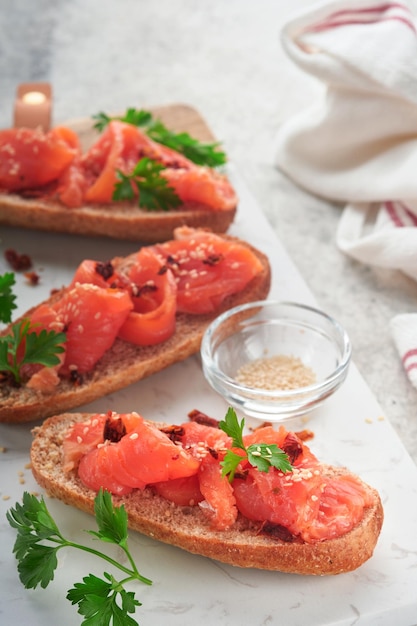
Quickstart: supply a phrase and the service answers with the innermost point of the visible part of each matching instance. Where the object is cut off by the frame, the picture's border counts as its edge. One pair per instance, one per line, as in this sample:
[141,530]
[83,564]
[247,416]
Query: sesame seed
[278,372]
[134,436]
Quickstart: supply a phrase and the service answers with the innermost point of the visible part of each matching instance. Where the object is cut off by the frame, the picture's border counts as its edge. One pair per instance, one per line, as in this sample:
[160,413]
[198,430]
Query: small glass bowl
[308,341]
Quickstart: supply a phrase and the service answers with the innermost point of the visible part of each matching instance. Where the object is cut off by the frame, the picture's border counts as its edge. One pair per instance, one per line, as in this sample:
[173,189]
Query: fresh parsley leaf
[102,601]
[230,464]
[7,297]
[111,522]
[97,601]
[132,116]
[145,181]
[262,456]
[231,427]
[199,152]
[36,562]
[23,346]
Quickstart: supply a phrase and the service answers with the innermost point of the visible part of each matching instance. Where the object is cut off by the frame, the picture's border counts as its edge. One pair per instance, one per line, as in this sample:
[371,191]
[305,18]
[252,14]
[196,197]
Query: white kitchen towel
[404,331]
[358,143]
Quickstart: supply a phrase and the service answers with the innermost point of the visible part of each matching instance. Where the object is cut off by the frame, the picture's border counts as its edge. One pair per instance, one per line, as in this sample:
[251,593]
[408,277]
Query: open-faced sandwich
[260,499]
[122,320]
[137,180]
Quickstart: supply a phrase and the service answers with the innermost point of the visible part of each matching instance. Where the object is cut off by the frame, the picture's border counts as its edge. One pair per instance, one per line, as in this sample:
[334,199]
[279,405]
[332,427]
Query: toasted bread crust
[125,363]
[187,527]
[117,221]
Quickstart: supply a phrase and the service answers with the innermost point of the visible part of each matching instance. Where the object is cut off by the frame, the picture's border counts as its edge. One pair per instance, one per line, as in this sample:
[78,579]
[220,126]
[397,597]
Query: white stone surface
[225,59]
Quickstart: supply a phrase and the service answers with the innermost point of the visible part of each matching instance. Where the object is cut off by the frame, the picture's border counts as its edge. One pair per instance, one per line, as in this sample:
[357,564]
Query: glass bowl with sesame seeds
[275,360]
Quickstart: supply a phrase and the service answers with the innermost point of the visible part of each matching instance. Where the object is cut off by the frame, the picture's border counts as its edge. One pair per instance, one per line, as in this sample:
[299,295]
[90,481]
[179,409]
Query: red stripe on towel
[412,217]
[393,214]
[394,210]
[364,16]
[409,354]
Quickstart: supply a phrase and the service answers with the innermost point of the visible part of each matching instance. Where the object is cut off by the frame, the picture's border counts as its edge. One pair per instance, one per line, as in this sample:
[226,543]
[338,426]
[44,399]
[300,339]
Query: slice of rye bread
[119,221]
[188,528]
[124,363]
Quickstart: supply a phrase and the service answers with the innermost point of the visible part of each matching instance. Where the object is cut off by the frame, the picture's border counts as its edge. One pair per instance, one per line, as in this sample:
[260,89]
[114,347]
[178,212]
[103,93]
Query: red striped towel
[357,143]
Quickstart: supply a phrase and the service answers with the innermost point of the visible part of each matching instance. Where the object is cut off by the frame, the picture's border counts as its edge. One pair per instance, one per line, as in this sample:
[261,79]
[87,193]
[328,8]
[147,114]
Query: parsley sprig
[22,346]
[260,455]
[7,297]
[102,601]
[146,182]
[197,151]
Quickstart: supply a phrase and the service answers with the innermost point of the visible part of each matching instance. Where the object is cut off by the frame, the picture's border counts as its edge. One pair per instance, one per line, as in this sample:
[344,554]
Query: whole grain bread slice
[119,221]
[125,363]
[187,527]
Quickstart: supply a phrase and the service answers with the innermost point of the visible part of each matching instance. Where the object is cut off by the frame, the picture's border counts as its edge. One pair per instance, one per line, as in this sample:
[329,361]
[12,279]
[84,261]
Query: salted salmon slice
[91,317]
[120,147]
[304,502]
[182,491]
[219,503]
[152,320]
[207,268]
[83,437]
[201,186]
[151,287]
[143,456]
[31,158]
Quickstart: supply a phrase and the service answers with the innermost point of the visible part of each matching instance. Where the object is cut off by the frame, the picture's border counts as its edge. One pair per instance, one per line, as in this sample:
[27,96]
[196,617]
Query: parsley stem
[133,573]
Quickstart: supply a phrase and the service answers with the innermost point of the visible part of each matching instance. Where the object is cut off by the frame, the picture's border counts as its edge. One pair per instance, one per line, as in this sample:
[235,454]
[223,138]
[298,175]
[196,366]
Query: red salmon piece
[120,147]
[219,502]
[198,437]
[143,456]
[96,473]
[309,505]
[94,273]
[154,296]
[181,491]
[72,185]
[341,507]
[81,438]
[32,158]
[92,317]
[207,268]
[116,149]
[202,185]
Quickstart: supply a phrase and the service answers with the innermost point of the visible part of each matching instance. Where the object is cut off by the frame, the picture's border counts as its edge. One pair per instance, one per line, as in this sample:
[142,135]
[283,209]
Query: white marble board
[350,430]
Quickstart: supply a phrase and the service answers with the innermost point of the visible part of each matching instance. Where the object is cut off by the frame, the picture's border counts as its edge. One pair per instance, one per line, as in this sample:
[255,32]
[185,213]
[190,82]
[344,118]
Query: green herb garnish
[197,151]
[102,601]
[7,297]
[137,117]
[145,181]
[22,346]
[260,455]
